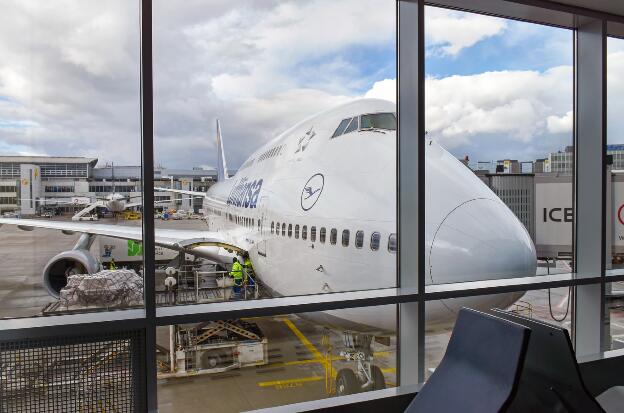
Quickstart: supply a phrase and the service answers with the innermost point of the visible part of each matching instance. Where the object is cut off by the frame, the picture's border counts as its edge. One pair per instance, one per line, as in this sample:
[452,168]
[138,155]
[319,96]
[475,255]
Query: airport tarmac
[298,363]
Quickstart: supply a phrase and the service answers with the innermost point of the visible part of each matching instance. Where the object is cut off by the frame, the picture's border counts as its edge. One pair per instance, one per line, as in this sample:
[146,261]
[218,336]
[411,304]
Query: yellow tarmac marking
[318,358]
[304,340]
[289,381]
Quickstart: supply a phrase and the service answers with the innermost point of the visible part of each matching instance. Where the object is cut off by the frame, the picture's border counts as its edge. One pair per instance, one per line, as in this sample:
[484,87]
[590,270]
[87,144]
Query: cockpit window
[340,129]
[385,121]
[352,126]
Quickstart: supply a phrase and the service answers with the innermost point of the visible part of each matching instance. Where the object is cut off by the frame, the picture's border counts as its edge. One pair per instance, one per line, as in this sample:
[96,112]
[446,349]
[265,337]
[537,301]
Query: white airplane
[315,208]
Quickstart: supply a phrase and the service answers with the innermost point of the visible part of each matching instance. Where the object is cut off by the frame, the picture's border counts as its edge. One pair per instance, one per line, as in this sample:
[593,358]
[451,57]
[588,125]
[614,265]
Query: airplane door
[264,227]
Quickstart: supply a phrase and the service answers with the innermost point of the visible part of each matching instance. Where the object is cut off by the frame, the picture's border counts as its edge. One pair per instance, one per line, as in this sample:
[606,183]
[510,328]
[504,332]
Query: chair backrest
[480,370]
[551,379]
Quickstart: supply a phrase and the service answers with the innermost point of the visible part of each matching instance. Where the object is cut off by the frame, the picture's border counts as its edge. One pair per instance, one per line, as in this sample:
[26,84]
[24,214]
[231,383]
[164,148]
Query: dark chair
[481,368]
[551,380]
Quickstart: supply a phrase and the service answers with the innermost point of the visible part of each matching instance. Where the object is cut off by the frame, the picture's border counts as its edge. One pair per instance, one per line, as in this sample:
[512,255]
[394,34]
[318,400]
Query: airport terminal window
[341,127]
[378,121]
[359,239]
[59,188]
[304,232]
[4,188]
[333,236]
[345,237]
[392,243]
[290,230]
[8,200]
[277,228]
[297,231]
[322,235]
[374,241]
[283,230]
[313,234]
[352,126]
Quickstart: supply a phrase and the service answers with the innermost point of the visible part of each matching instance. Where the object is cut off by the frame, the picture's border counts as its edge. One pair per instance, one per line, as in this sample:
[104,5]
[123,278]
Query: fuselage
[318,213]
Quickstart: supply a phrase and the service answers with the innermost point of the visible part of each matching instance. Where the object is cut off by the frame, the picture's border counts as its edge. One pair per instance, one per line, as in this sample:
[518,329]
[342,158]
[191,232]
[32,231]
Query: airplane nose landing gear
[368,376]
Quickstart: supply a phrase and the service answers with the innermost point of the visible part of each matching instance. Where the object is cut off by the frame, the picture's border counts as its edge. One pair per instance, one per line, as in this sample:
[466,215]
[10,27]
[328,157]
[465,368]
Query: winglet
[222,171]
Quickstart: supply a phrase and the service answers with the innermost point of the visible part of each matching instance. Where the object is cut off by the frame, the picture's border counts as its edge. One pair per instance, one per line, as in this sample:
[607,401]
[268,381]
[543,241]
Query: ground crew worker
[112,265]
[237,274]
[249,272]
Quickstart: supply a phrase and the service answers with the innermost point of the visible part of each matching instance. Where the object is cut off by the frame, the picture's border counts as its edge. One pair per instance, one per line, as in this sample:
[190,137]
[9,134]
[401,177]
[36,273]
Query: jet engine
[56,271]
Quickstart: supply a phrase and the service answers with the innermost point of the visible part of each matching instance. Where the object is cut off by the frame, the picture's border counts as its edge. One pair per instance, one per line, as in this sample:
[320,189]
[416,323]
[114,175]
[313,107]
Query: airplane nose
[480,240]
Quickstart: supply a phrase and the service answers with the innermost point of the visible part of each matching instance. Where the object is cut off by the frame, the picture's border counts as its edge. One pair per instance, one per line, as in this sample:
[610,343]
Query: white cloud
[448,32]
[560,124]
[517,105]
[70,79]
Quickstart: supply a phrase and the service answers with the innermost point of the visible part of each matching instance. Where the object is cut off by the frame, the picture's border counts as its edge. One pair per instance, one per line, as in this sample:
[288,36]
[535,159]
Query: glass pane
[240,365]
[551,306]
[247,97]
[345,238]
[379,121]
[499,148]
[614,323]
[359,239]
[615,192]
[341,127]
[69,119]
[374,243]
[352,126]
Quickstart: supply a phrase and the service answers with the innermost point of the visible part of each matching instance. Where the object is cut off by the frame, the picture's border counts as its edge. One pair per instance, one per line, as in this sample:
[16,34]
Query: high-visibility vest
[248,268]
[237,271]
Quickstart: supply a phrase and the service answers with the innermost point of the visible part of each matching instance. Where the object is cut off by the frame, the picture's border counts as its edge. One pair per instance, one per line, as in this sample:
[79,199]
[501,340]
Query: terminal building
[32,184]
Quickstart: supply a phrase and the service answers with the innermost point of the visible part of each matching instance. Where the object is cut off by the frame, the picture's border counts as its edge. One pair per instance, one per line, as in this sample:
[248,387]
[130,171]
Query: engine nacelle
[65,264]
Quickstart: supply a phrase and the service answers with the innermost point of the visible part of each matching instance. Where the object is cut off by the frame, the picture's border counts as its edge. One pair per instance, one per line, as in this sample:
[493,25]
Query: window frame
[359,235]
[151,316]
[374,234]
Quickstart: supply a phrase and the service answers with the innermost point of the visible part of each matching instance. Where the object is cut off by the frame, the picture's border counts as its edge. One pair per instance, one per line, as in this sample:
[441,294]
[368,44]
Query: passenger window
[272,226]
[359,239]
[333,236]
[322,235]
[340,129]
[392,243]
[313,234]
[304,232]
[345,237]
[289,230]
[296,231]
[352,126]
[283,230]
[374,242]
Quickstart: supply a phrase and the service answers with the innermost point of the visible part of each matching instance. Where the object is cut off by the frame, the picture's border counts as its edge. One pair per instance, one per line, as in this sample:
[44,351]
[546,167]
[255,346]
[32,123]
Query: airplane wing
[182,240]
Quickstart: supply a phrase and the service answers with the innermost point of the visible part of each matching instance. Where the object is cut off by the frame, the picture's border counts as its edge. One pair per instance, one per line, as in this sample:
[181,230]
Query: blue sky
[521,46]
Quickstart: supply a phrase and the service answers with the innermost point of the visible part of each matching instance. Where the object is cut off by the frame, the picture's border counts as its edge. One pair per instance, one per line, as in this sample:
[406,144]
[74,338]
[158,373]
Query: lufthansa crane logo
[312,191]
